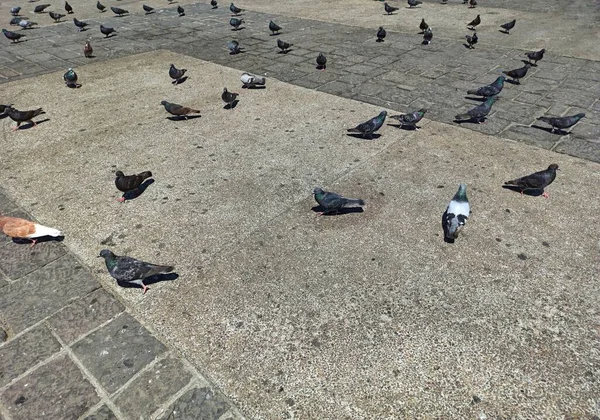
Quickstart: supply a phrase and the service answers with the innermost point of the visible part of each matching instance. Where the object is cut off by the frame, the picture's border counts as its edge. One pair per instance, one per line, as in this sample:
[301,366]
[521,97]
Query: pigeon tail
[354,202]
[145,175]
[463,117]
[45,231]
[159,269]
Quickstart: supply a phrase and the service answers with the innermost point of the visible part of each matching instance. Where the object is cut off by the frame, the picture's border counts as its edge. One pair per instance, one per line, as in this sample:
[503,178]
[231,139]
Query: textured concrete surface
[365,315]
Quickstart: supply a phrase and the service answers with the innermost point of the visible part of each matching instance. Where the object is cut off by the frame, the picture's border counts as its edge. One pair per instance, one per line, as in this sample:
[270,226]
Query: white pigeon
[456,214]
[251,80]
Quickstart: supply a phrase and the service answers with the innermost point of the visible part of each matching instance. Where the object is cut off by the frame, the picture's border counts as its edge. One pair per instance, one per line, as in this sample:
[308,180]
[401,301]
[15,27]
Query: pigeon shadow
[183,117]
[503,32]
[254,87]
[320,67]
[238,29]
[476,98]
[180,81]
[512,82]
[535,192]
[150,280]
[364,136]
[529,62]
[236,53]
[468,46]
[110,35]
[342,211]
[549,130]
[231,105]
[133,194]
[25,241]
[275,34]
[91,56]
[472,121]
[379,40]
[284,51]
[405,127]
[30,125]
[2,116]
[74,85]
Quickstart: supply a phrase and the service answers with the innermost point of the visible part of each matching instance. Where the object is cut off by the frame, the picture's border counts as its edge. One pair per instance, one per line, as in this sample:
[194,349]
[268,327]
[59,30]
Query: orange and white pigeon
[24,229]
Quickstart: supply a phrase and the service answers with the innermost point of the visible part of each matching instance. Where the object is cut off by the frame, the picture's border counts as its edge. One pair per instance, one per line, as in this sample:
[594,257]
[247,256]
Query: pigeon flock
[129,270]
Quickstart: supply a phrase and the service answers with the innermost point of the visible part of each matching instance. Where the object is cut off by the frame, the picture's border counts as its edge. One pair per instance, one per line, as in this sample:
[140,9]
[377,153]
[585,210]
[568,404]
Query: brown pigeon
[24,229]
[130,182]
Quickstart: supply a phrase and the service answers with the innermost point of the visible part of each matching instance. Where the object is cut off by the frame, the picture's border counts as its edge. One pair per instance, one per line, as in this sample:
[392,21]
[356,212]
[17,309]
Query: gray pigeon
[26,24]
[414,3]
[100,7]
[472,40]
[129,270]
[40,8]
[562,122]
[235,22]
[176,74]
[321,61]
[331,202]
[214,4]
[427,35]
[517,74]
[15,21]
[411,118]
[68,8]
[229,98]
[274,28]
[70,78]
[423,25]
[508,26]
[472,4]
[284,46]
[368,128]
[535,181]
[234,47]
[479,112]
[15,11]
[180,11]
[147,9]
[456,214]
[118,11]
[80,24]
[474,22]
[489,90]
[389,9]
[13,36]
[106,30]
[535,56]
[250,80]
[235,10]
[56,16]
[178,110]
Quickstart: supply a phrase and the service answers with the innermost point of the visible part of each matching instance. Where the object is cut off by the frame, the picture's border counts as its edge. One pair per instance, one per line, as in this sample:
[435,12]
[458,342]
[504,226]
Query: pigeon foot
[33,242]
[145,288]
[121,199]
[545,195]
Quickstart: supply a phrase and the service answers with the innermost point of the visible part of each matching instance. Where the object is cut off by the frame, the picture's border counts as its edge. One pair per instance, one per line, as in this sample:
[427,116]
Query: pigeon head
[318,190]
[553,167]
[224,90]
[119,174]
[105,253]
[163,102]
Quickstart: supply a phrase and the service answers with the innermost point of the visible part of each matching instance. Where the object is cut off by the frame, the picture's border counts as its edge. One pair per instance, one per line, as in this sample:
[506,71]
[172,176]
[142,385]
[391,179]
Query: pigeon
[381,34]
[15,21]
[331,202]
[423,25]
[40,8]
[456,214]
[235,22]
[368,128]
[517,74]
[489,90]
[26,24]
[321,61]
[176,74]
[414,3]
[56,16]
[427,36]
[562,122]
[474,22]
[178,110]
[4,110]
[128,183]
[274,28]
[472,40]
[87,49]
[180,11]
[251,80]
[68,8]
[118,11]
[13,36]
[508,26]
[147,9]
[472,4]
[107,31]
[411,118]
[23,116]
[214,4]
[235,10]
[389,9]
[229,98]
[283,46]
[535,181]
[24,229]
[15,11]
[479,112]
[70,78]
[465,1]
[234,47]
[100,7]
[80,24]
[129,270]
[535,56]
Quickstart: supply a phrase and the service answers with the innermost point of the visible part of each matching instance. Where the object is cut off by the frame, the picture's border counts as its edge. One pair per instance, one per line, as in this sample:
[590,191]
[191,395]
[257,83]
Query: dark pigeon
[235,22]
[107,31]
[147,9]
[414,3]
[178,110]
[128,183]
[411,118]
[56,16]
[15,21]
[489,90]
[474,22]
[321,61]
[176,74]
[479,112]
[368,128]
[562,122]
[68,8]
[331,202]
[423,25]
[389,9]
[180,11]
[15,11]
[274,28]
[234,47]
[472,4]
[70,78]
[283,46]
[456,214]
[88,50]
[517,74]
[229,97]
[23,116]
[40,8]
[508,26]
[427,36]
[535,56]
[381,34]
[118,11]
[472,40]
[235,10]
[535,181]
[129,270]
[100,7]
[80,24]
[13,36]
[214,4]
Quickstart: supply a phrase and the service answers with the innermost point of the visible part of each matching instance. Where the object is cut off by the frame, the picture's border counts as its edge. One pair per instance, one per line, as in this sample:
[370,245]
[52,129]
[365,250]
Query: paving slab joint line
[33,368]
[139,373]
[94,408]
[164,407]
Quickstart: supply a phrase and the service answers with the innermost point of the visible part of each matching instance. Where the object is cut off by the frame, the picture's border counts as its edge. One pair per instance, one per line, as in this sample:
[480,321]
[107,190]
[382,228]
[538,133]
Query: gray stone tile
[24,352]
[117,351]
[17,259]
[56,390]
[528,98]
[103,413]
[580,148]
[44,291]
[197,403]
[153,388]
[85,314]
[531,135]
